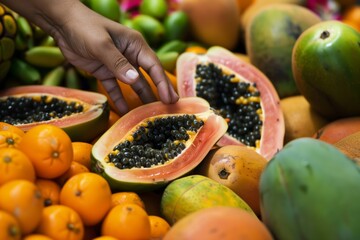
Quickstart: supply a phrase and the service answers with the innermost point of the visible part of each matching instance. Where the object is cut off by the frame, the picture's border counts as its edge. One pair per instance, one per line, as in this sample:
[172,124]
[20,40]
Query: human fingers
[112,88]
[150,63]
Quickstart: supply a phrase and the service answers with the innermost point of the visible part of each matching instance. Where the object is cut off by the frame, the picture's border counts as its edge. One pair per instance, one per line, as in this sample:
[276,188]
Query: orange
[158,226]
[61,222]
[37,237]
[9,139]
[75,168]
[105,238]
[82,153]
[127,221]
[126,197]
[49,148]
[89,194]
[9,227]
[11,128]
[351,16]
[50,191]
[23,200]
[14,164]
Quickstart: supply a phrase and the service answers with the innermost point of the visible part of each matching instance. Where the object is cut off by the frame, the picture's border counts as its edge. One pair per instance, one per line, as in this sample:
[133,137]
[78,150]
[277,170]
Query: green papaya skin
[310,190]
[194,192]
[325,63]
[270,37]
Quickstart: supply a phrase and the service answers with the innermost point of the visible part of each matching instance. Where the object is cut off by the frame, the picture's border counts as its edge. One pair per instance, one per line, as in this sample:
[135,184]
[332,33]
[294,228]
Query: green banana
[44,56]
[72,79]
[4,69]
[168,60]
[25,30]
[7,48]
[24,72]
[172,46]
[48,41]
[54,77]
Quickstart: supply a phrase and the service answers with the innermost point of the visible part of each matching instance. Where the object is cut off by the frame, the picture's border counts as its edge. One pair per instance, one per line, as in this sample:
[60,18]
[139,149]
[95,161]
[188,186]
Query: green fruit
[152,29]
[176,26]
[325,63]
[108,8]
[168,60]
[154,8]
[310,190]
[24,72]
[192,193]
[270,38]
[44,56]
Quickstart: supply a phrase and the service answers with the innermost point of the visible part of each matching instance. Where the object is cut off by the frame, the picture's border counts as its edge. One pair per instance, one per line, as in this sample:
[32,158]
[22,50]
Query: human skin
[102,47]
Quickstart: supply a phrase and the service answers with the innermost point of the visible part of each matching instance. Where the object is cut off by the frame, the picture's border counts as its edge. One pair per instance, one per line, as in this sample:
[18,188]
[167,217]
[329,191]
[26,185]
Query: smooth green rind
[326,69]
[310,190]
[270,38]
[194,192]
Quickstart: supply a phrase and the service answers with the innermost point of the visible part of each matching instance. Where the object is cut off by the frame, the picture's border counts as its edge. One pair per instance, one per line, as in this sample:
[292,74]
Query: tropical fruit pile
[262,144]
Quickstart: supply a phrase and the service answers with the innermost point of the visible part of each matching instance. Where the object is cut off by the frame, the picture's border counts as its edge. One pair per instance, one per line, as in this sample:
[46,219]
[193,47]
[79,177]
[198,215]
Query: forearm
[47,14]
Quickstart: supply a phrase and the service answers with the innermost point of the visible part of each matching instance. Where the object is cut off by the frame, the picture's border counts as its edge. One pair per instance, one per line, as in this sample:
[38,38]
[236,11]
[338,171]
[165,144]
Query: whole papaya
[311,190]
[325,63]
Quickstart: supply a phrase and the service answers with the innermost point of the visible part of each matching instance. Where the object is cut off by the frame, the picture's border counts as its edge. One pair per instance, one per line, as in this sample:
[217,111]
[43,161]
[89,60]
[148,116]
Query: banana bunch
[38,60]
[8,31]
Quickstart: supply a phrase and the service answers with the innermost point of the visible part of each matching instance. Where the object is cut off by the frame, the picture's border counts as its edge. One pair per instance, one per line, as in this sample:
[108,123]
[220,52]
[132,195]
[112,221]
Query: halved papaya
[156,143]
[81,114]
[240,92]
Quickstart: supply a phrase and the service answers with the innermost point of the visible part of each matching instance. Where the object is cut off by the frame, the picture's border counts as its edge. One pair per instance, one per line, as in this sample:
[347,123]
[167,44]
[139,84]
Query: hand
[110,51]
[100,46]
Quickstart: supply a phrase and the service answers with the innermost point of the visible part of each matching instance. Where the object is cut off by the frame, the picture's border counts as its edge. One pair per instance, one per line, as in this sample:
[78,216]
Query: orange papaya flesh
[94,115]
[145,178]
[267,127]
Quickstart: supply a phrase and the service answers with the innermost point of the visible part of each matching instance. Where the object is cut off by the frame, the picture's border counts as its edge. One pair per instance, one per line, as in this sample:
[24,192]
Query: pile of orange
[48,191]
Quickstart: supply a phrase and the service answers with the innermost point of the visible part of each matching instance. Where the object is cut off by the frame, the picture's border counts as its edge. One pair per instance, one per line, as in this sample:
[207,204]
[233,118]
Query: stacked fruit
[38,60]
[8,29]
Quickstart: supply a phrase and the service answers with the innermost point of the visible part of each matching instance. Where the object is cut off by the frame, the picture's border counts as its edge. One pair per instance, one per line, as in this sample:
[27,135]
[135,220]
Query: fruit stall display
[264,142]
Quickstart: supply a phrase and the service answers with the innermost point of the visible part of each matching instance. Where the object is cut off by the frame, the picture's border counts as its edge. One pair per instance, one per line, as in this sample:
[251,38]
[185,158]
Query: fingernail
[132,74]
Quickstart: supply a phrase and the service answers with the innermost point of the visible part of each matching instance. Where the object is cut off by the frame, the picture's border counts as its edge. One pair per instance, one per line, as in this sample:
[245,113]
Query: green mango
[325,63]
[152,29]
[176,26]
[311,190]
[108,8]
[154,8]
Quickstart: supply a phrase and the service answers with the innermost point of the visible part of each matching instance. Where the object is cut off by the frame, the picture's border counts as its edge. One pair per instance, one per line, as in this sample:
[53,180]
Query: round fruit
[22,199]
[302,120]
[325,68]
[151,28]
[89,195]
[336,130]
[61,222]
[126,197]
[238,168]
[127,221]
[50,191]
[156,143]
[270,38]
[176,26]
[240,93]
[75,168]
[49,149]
[194,192]
[214,24]
[154,8]
[9,139]
[108,8]
[158,227]
[75,111]
[14,164]
[9,227]
[214,223]
[82,153]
